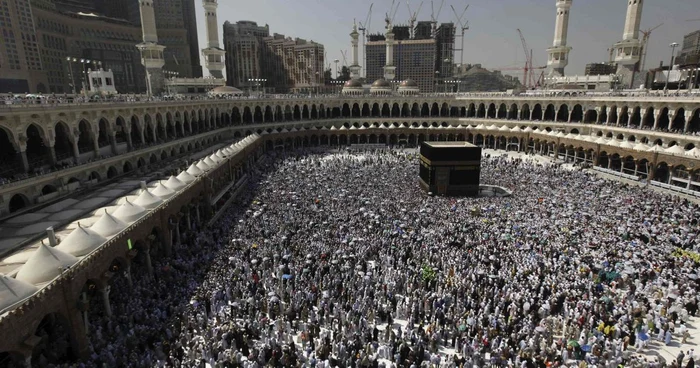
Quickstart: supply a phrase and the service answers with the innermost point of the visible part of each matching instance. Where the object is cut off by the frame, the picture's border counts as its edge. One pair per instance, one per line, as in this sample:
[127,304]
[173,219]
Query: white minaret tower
[355,67]
[558,54]
[389,68]
[151,51]
[213,54]
[628,52]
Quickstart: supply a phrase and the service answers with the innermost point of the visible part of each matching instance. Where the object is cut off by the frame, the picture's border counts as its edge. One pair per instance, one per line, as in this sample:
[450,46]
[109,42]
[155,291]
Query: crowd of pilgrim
[340,260]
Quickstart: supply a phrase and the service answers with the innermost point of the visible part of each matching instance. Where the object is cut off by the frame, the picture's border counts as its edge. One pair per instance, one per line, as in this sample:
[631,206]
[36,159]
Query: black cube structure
[450,168]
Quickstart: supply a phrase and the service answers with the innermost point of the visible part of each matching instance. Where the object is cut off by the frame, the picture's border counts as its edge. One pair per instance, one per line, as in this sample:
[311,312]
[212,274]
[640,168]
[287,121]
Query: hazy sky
[492,39]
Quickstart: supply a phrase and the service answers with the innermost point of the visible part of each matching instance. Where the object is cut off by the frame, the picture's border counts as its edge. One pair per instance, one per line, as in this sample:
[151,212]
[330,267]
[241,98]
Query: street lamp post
[70,71]
[673,46]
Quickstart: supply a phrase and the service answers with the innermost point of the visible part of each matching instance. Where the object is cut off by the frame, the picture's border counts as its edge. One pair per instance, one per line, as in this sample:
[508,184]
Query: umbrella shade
[586,348]
[573,344]
[287,276]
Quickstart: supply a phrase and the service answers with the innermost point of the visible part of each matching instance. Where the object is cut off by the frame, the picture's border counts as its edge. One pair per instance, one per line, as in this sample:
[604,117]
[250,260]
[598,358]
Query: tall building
[21,68]
[293,64]
[600,68]
[176,23]
[690,53]
[244,45]
[558,54]
[444,44]
[413,59]
[65,38]
[282,62]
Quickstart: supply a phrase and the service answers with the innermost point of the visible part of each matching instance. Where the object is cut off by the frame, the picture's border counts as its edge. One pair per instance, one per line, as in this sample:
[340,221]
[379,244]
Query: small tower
[355,67]
[389,68]
[151,51]
[558,54]
[628,52]
[213,54]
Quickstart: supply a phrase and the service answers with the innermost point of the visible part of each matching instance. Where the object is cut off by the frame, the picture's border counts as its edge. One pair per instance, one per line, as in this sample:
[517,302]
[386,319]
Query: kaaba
[450,168]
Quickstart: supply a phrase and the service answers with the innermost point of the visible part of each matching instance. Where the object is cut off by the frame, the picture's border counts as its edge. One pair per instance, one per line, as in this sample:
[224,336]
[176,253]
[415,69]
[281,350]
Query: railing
[49,101]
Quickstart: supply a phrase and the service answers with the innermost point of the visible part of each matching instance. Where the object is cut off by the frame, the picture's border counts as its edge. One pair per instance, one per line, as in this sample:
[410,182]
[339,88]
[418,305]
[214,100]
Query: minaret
[389,68]
[355,67]
[213,54]
[628,52]
[559,53]
[151,51]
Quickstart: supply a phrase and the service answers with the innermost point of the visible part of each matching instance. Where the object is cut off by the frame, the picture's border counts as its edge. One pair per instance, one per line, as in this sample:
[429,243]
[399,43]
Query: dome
[381,83]
[148,200]
[81,242]
[162,191]
[409,83]
[225,90]
[353,83]
[202,165]
[44,265]
[193,170]
[108,225]
[13,291]
[174,184]
[185,177]
[129,212]
[675,150]
[209,162]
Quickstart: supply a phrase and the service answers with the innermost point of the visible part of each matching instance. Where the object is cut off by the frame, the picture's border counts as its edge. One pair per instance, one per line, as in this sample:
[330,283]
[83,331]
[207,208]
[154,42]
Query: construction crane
[645,39]
[389,18]
[412,20]
[464,28]
[365,28]
[434,17]
[345,57]
[528,78]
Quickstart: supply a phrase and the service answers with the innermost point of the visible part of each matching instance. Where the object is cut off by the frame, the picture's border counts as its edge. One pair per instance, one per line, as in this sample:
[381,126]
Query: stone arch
[127,167]
[662,172]
[18,202]
[502,111]
[694,122]
[624,116]
[366,112]
[563,113]
[636,117]
[395,110]
[37,150]
[663,119]
[355,110]
[513,112]
[603,118]
[85,138]
[491,113]
[136,131]
[247,115]
[64,141]
[678,123]
[577,114]
[257,115]
[591,116]
[149,129]
[549,113]
[537,114]
[112,172]
[104,130]
[386,111]
[648,118]
[56,340]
